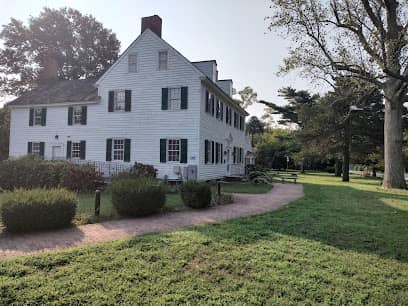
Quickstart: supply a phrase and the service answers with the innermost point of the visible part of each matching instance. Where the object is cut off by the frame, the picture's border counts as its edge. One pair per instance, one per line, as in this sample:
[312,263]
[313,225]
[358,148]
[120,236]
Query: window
[76,150]
[173,150]
[236,123]
[207,102]
[119,104]
[118,149]
[77,115]
[132,62]
[163,56]
[37,116]
[175,98]
[36,148]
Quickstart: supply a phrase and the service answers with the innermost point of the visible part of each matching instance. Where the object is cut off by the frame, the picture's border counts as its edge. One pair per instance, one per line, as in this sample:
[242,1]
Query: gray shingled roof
[61,91]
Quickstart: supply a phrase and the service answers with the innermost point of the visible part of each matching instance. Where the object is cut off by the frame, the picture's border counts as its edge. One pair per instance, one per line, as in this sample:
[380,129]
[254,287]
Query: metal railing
[106,169]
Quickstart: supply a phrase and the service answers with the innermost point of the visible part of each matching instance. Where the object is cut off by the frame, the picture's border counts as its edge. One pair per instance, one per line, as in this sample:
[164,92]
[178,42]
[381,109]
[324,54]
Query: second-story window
[132,62]
[38,116]
[77,115]
[175,98]
[119,104]
[163,59]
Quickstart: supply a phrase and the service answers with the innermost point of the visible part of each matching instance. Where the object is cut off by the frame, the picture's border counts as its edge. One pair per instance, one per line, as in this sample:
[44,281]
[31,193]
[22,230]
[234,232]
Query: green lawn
[343,243]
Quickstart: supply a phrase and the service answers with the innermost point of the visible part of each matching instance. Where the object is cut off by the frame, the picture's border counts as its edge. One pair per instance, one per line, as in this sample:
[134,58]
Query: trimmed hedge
[38,209]
[138,170]
[137,196]
[196,194]
[33,172]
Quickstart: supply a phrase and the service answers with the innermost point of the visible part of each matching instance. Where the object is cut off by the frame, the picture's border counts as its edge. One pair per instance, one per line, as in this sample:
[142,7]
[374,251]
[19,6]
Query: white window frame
[132,64]
[75,150]
[119,105]
[77,115]
[174,100]
[118,151]
[177,152]
[37,120]
[163,64]
[36,148]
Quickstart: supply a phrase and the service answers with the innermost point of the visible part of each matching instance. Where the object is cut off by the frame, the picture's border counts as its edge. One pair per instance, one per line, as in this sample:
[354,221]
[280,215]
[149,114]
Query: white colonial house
[152,106]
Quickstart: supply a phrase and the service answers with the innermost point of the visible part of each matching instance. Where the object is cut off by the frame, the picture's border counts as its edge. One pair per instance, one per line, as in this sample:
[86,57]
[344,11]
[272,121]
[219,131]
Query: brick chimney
[49,71]
[153,23]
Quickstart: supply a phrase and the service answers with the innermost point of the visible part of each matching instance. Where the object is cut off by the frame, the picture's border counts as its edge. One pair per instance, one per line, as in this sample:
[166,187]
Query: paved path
[244,205]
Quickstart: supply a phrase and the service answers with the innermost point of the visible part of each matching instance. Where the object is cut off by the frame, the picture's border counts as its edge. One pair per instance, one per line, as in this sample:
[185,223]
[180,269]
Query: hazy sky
[233,32]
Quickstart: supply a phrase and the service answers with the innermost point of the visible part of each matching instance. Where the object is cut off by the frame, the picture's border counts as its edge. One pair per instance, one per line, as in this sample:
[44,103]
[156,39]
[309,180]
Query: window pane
[118,149]
[37,116]
[35,149]
[119,100]
[173,150]
[162,60]
[77,114]
[132,62]
[76,150]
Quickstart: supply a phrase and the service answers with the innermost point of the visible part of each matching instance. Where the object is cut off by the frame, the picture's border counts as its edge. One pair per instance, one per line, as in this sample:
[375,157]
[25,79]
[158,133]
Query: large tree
[4,132]
[77,45]
[366,39]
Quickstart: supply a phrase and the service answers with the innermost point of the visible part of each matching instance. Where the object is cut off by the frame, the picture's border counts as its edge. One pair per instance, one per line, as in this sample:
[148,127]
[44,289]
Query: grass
[343,243]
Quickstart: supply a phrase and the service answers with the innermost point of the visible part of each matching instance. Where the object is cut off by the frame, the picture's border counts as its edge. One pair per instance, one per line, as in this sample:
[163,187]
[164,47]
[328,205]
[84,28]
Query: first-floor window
[118,149]
[36,148]
[173,150]
[76,150]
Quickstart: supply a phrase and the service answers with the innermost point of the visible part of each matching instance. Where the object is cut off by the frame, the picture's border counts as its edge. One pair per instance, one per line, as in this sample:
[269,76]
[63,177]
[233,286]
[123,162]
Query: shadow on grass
[339,216]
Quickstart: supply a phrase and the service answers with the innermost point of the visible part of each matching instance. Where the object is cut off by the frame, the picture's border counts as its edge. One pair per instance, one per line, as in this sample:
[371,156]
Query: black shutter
[165,99]
[163,148]
[222,153]
[128,100]
[207,109]
[212,104]
[84,115]
[217,153]
[111,101]
[183,156]
[69,146]
[42,148]
[43,116]
[206,147]
[82,153]
[212,152]
[109,149]
[222,111]
[184,97]
[31,119]
[70,115]
[29,147]
[126,155]
[235,155]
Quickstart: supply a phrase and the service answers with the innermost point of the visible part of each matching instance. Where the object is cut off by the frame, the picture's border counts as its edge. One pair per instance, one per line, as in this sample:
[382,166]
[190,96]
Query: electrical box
[191,172]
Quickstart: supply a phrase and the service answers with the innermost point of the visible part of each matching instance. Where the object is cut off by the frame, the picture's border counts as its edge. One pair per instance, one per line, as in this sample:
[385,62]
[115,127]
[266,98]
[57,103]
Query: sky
[233,32]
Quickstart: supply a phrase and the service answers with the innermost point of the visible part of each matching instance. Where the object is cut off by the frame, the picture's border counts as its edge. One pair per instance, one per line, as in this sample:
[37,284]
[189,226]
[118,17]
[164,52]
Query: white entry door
[57,152]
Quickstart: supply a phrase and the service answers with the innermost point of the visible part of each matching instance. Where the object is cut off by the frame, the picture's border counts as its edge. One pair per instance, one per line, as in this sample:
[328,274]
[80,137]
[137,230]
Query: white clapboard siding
[145,125]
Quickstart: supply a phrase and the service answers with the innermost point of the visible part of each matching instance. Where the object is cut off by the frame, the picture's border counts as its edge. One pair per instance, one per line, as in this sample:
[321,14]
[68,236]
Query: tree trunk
[374,172]
[346,151]
[394,172]
[337,168]
[302,166]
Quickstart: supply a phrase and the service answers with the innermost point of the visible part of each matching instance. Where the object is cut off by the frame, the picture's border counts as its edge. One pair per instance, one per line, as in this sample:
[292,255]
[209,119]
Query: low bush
[33,172]
[196,194]
[138,170]
[38,209]
[137,196]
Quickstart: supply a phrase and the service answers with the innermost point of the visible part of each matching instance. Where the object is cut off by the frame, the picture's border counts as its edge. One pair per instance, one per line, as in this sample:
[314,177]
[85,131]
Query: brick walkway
[244,205]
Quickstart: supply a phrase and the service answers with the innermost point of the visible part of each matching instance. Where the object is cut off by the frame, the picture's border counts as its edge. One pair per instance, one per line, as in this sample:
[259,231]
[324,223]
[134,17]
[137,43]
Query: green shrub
[38,209]
[33,172]
[137,196]
[196,194]
[138,170]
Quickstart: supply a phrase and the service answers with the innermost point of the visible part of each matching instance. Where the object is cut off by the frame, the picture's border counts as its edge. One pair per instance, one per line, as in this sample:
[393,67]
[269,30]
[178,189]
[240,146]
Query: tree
[4,132]
[78,45]
[247,97]
[255,127]
[366,39]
